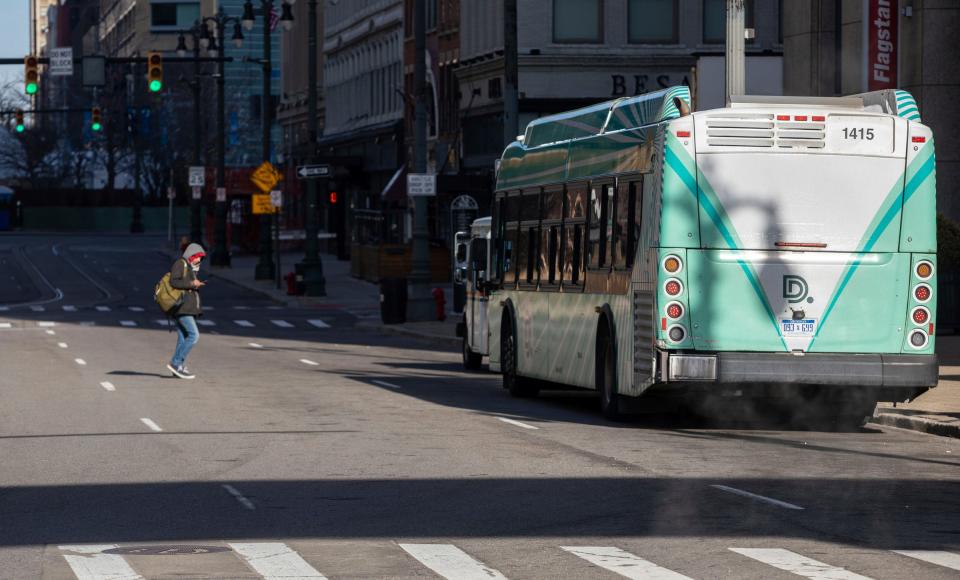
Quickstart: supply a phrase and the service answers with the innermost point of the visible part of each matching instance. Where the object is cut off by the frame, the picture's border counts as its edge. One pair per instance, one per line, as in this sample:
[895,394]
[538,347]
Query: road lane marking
[108,386]
[37,308]
[127,323]
[241,308]
[451,562]
[208,307]
[623,563]
[945,559]
[88,323]
[97,566]
[149,423]
[319,323]
[62,344]
[762,498]
[6,325]
[386,384]
[51,332]
[307,361]
[797,564]
[103,308]
[68,308]
[275,307]
[136,309]
[244,323]
[282,323]
[255,345]
[46,324]
[206,322]
[244,501]
[4,308]
[517,423]
[80,362]
[275,560]
[163,322]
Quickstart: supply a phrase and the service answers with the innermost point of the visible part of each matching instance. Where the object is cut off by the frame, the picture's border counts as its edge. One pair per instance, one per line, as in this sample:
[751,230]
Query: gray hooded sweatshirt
[182,276]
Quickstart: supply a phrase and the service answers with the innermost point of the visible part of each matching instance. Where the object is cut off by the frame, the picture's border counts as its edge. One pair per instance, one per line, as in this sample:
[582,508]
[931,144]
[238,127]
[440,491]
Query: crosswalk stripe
[206,322]
[623,563]
[163,322]
[945,559]
[95,565]
[4,308]
[244,323]
[46,324]
[797,564]
[319,323]
[136,309]
[451,562]
[276,560]
[68,308]
[127,323]
[103,308]
[37,308]
[6,325]
[282,323]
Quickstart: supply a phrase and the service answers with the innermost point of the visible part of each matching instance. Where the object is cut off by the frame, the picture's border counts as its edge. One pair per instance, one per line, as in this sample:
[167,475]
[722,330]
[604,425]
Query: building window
[494,89]
[652,21]
[578,21]
[715,20]
[431,19]
[173,15]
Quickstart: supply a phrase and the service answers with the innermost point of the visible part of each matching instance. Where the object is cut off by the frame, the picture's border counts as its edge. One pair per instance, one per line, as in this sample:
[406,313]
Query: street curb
[918,423]
[399,330]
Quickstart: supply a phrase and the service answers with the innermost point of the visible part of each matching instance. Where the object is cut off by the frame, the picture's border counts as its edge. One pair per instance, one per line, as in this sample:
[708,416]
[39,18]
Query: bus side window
[600,224]
[627,225]
[572,233]
[635,220]
[511,239]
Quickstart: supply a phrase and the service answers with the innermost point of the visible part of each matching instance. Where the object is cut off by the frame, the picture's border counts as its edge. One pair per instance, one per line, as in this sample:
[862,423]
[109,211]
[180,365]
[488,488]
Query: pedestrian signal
[20,125]
[154,71]
[96,121]
[31,74]
[333,198]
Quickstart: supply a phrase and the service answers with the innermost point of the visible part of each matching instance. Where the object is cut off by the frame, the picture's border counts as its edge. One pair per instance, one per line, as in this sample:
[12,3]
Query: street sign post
[276,198]
[197,192]
[421,184]
[265,177]
[314,171]
[262,204]
[61,62]
[197,176]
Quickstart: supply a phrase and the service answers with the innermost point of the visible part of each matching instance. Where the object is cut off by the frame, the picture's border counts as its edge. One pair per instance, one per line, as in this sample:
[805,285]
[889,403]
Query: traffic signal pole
[420,305]
[266,269]
[314,282]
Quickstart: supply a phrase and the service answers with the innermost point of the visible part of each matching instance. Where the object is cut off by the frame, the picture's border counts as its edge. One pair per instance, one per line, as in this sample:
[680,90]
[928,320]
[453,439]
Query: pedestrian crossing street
[279,560]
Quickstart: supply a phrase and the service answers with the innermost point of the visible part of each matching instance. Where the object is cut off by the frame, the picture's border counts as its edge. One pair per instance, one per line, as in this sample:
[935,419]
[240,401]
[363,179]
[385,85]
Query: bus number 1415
[855,133]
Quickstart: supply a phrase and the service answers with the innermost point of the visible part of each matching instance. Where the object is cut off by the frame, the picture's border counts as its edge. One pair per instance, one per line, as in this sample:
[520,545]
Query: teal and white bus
[783,247]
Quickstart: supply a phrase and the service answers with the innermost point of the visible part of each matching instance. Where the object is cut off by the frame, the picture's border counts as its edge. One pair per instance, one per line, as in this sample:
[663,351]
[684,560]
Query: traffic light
[20,125]
[31,74]
[333,198]
[155,71]
[96,120]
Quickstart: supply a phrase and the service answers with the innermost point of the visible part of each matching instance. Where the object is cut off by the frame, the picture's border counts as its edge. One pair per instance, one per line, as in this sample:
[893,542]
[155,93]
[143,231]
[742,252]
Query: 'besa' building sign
[881,21]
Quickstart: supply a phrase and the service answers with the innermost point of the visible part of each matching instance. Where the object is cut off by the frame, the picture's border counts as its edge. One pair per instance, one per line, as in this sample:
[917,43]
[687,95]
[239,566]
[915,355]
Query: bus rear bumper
[865,370]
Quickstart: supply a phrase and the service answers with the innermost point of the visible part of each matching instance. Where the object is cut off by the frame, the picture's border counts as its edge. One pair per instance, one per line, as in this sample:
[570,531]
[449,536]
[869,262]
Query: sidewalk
[938,410]
[343,291]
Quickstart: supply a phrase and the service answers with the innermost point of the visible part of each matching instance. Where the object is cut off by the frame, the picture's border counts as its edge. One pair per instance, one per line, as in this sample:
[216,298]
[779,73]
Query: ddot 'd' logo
[795,289]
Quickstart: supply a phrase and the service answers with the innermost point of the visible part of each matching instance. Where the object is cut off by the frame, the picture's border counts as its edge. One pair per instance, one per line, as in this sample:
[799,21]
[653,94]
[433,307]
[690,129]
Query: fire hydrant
[291,279]
[441,302]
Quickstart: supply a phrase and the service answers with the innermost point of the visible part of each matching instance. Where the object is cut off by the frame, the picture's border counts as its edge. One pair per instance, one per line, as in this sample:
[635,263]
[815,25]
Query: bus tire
[610,404]
[471,360]
[517,386]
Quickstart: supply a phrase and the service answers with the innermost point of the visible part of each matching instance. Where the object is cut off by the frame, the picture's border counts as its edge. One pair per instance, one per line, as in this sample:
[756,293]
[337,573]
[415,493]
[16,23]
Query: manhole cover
[165,550]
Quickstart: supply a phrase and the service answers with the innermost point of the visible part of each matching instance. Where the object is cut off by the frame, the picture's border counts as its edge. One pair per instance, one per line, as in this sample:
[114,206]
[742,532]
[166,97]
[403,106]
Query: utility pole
[511,122]
[736,67]
[196,229]
[221,254]
[313,280]
[266,269]
[419,304]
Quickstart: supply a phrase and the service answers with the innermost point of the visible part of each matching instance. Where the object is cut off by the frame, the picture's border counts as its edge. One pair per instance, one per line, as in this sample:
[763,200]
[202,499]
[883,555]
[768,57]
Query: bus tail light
[918,339]
[819,118]
[922,292]
[674,310]
[920,315]
[677,333]
[683,134]
[673,287]
[800,118]
[672,264]
[924,270]
[919,139]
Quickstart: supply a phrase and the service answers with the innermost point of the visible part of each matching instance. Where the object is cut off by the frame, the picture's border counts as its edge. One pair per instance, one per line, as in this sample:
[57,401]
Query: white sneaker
[181,372]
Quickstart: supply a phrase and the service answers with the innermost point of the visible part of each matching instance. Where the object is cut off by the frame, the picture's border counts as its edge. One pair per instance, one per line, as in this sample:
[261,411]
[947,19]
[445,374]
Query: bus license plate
[805,327]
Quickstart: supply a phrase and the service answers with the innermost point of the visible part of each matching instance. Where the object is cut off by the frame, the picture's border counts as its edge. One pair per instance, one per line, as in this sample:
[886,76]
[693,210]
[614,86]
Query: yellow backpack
[168,298]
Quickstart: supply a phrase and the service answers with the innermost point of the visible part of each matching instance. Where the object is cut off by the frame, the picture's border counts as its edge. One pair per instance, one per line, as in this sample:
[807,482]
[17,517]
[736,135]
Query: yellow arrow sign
[265,177]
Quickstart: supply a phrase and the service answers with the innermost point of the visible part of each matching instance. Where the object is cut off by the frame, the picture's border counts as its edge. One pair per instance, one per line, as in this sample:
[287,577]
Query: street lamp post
[266,269]
[419,305]
[196,228]
[313,280]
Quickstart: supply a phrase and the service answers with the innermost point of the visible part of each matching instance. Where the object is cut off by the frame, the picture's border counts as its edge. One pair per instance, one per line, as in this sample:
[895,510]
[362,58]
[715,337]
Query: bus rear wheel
[610,404]
[471,360]
[517,386]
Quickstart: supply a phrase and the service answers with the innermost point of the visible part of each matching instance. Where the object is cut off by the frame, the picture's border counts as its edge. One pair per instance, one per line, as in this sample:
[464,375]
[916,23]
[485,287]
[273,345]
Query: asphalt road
[308,447]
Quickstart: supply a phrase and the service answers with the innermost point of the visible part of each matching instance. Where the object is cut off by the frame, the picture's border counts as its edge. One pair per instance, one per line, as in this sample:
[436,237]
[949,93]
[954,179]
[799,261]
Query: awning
[396,188]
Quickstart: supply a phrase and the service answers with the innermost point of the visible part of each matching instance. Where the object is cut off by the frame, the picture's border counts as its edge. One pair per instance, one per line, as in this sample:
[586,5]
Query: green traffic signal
[20,128]
[155,86]
[96,126]
[31,88]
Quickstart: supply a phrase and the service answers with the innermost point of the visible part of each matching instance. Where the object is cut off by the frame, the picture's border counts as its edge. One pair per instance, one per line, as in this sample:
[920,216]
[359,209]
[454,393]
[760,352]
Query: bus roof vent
[740,130]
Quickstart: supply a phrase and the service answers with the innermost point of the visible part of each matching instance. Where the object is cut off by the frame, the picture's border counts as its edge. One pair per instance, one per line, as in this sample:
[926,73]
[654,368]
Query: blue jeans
[187,336]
